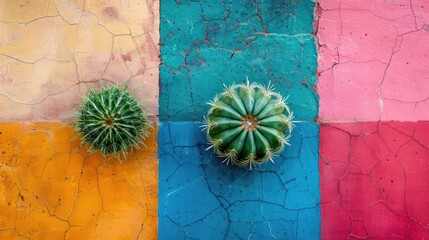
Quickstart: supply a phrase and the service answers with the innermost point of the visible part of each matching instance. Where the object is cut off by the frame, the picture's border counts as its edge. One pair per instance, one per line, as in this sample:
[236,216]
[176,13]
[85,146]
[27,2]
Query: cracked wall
[50,191]
[51,51]
[374,182]
[372,69]
[201,197]
[372,56]
[206,45]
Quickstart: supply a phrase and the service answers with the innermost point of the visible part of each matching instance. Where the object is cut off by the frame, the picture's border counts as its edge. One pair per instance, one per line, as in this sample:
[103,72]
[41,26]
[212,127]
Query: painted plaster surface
[205,45]
[51,51]
[200,197]
[373,59]
[374,180]
[49,191]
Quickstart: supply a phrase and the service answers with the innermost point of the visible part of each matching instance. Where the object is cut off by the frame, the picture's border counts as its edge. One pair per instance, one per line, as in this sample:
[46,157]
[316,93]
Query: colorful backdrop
[355,72]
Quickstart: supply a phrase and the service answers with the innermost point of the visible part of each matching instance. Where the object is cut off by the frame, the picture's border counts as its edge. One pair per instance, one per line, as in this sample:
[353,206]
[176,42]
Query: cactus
[248,124]
[111,121]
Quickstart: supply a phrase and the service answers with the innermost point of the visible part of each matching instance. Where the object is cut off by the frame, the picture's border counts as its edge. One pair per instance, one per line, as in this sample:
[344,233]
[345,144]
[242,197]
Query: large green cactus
[248,124]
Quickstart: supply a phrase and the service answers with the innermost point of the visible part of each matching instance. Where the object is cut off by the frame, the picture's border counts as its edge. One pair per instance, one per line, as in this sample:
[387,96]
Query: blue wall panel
[201,198]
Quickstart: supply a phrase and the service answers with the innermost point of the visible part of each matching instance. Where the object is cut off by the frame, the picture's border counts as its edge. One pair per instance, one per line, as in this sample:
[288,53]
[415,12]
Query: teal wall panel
[205,44]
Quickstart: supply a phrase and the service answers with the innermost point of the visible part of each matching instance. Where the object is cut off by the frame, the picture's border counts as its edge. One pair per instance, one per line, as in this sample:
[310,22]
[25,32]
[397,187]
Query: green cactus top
[112,121]
[247,124]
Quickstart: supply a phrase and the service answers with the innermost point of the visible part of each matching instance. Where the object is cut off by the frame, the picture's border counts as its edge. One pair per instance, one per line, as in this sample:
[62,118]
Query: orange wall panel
[51,191]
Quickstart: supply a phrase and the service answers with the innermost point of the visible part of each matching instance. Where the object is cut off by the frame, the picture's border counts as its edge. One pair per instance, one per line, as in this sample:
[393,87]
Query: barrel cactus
[111,121]
[248,124]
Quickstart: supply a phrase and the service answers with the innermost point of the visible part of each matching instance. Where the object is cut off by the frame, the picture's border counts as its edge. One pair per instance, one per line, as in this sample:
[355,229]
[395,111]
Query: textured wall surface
[373,60]
[372,69]
[361,177]
[199,197]
[205,45]
[374,182]
[49,191]
[50,51]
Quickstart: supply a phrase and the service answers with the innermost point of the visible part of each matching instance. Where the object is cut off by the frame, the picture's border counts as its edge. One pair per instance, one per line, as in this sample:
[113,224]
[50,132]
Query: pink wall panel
[373,60]
[374,180]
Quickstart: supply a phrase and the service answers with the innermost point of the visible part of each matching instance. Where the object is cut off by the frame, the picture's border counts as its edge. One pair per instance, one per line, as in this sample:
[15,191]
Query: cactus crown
[247,124]
[110,120]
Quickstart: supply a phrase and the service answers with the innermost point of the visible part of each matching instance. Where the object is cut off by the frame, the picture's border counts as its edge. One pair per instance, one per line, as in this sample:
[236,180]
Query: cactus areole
[248,124]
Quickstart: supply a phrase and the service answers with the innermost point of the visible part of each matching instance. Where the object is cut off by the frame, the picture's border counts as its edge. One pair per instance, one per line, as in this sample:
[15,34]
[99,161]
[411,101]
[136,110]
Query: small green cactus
[247,124]
[110,120]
